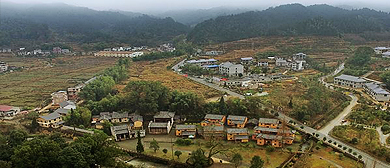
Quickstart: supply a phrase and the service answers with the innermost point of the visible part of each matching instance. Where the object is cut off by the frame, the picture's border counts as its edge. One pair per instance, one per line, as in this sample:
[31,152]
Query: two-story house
[237,134]
[237,121]
[52,120]
[230,69]
[213,132]
[268,122]
[213,119]
[188,131]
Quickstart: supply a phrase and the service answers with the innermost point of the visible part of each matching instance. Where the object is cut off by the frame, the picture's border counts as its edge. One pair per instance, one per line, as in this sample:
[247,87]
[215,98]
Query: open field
[326,157]
[33,85]
[157,71]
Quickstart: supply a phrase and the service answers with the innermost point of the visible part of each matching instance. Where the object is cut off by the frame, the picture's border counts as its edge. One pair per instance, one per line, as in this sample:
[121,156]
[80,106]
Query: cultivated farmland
[32,86]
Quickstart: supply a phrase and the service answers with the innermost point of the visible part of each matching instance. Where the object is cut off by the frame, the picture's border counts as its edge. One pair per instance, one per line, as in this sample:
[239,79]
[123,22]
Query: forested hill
[292,19]
[61,22]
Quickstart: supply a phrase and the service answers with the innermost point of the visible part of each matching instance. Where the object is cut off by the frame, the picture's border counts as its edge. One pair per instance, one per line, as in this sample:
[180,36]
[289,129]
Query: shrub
[183,142]
[344,148]
[354,153]
[270,149]
[354,141]
[349,150]
[330,141]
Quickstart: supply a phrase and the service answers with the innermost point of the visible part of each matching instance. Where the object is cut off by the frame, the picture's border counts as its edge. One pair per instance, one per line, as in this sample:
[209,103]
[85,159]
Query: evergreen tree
[154,145]
[140,147]
[222,106]
[256,162]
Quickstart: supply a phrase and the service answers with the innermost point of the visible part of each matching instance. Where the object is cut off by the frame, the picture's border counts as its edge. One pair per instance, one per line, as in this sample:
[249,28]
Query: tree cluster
[52,151]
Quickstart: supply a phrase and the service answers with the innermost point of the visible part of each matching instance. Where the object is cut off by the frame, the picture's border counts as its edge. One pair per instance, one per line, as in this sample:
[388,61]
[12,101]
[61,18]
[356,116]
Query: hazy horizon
[153,6]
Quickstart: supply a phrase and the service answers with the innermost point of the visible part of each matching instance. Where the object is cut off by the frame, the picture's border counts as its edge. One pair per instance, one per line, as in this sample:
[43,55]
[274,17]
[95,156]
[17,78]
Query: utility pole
[172,148]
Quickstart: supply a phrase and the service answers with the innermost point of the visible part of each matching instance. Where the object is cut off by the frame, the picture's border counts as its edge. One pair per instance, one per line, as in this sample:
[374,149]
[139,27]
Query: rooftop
[268,121]
[51,116]
[62,111]
[350,78]
[164,114]
[246,59]
[158,125]
[240,137]
[376,88]
[213,128]
[181,127]
[119,115]
[5,108]
[235,117]
[267,136]
[214,116]
[236,130]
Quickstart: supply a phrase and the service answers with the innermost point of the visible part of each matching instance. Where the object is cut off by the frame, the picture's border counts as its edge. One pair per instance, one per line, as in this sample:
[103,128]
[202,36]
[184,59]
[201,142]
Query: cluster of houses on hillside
[5,50]
[384,51]
[233,128]
[167,47]
[40,52]
[375,90]
[128,48]
[296,63]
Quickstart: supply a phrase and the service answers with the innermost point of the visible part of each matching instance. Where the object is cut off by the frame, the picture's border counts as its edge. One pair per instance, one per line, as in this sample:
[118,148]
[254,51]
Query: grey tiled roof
[265,129]
[240,137]
[119,115]
[164,114]
[213,128]
[268,120]
[188,133]
[180,127]
[267,136]
[51,116]
[66,103]
[158,125]
[236,130]
[376,88]
[214,116]
[350,78]
[237,118]
[62,111]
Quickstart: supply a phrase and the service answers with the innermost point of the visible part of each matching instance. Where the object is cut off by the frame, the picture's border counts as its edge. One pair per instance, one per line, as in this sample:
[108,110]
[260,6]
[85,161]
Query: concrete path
[338,120]
[382,137]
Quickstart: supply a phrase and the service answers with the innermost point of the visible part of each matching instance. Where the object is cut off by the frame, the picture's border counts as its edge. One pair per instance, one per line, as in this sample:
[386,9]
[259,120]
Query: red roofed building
[8,110]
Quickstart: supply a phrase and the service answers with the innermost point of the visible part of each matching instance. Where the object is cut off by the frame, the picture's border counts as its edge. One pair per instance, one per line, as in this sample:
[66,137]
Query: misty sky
[147,6]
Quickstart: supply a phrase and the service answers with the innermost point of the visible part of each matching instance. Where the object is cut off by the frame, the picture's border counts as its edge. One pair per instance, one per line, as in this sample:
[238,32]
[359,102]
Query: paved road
[369,161]
[382,137]
[176,67]
[214,86]
[338,120]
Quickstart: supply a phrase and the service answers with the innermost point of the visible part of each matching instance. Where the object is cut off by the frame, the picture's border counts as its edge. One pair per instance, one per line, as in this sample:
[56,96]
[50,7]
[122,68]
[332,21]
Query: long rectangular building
[349,81]
[377,92]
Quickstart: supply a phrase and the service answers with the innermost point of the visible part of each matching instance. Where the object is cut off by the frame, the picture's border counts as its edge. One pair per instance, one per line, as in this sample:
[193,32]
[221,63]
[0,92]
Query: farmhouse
[213,132]
[58,97]
[297,65]
[381,50]
[237,121]
[263,63]
[9,111]
[52,120]
[159,128]
[137,121]
[67,105]
[119,117]
[202,62]
[349,81]
[63,112]
[268,123]
[377,92]
[164,116]
[74,91]
[281,62]
[299,56]
[246,60]
[237,134]
[188,131]
[3,67]
[230,69]
[213,119]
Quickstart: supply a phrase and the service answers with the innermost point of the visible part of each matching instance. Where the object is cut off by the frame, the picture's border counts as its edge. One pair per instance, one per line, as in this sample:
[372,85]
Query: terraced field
[32,86]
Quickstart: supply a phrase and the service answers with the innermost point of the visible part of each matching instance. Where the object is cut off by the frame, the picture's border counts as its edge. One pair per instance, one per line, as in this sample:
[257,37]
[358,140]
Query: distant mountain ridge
[291,19]
[79,24]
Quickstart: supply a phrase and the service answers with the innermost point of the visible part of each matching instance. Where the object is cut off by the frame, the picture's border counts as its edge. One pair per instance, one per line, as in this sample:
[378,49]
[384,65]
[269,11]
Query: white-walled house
[349,81]
[230,69]
[377,92]
[381,50]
